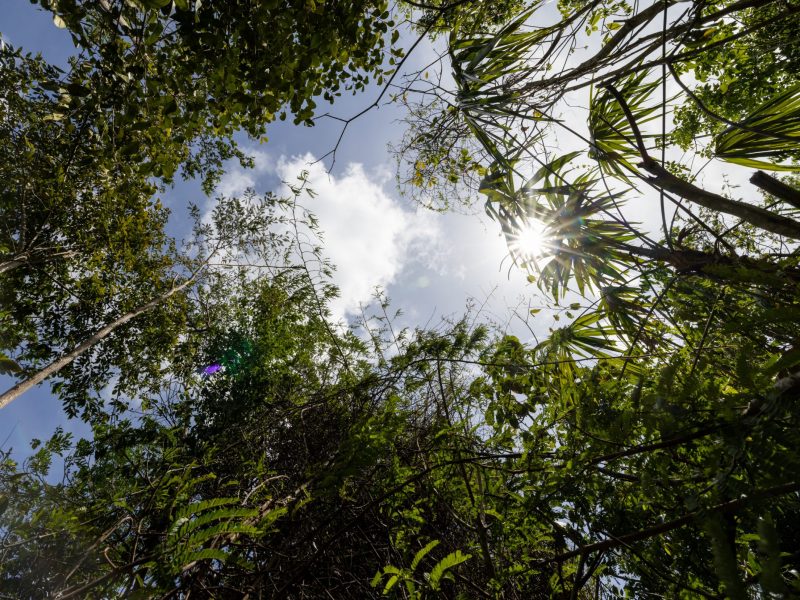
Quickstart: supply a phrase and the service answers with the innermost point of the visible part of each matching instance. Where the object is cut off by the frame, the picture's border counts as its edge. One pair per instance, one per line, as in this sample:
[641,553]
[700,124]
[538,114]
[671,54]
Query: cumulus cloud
[368,235]
[236,180]
[429,263]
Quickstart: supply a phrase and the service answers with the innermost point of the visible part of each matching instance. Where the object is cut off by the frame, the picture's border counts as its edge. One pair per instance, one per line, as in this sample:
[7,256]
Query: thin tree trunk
[664,180]
[717,266]
[54,367]
[24,258]
[12,263]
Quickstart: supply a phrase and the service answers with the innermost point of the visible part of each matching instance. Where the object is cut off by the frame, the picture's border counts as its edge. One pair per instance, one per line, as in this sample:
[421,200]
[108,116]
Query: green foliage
[442,17]
[646,413]
[613,145]
[424,583]
[440,570]
[229,65]
[735,77]
[82,229]
[771,131]
[155,89]
[646,448]
[507,95]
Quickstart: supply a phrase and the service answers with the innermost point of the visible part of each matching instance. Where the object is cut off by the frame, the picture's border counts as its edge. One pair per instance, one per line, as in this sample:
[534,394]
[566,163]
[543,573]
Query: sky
[431,265]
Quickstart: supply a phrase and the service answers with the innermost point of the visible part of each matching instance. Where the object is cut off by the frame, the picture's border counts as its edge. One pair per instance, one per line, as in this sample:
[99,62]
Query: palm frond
[771,134]
[612,136]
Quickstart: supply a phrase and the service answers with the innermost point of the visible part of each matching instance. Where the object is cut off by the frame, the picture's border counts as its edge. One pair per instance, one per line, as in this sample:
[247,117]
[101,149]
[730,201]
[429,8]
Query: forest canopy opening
[636,435]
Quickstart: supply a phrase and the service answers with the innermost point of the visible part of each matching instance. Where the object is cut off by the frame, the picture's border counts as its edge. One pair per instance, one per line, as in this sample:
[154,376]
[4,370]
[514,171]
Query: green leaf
[8,365]
[771,131]
[448,562]
[422,553]
[375,582]
[390,584]
[761,164]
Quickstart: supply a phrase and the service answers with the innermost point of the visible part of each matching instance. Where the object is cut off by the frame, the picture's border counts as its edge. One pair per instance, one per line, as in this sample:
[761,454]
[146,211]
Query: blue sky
[431,265]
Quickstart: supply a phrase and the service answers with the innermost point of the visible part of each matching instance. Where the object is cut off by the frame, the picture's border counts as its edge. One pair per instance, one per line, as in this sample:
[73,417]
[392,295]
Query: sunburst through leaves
[530,242]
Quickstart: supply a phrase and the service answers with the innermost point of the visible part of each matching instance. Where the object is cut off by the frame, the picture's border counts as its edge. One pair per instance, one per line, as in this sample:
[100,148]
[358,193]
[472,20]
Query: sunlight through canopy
[529,243]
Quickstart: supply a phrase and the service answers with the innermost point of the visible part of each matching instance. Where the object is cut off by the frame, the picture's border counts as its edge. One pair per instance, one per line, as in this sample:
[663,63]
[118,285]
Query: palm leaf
[614,147]
[772,135]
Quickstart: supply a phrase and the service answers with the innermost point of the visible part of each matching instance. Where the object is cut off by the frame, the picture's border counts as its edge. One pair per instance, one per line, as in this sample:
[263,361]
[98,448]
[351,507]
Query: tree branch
[663,179]
[656,530]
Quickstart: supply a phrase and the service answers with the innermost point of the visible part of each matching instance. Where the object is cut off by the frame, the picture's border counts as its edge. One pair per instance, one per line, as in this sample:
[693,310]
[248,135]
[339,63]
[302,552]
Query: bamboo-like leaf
[761,164]
[480,62]
[554,168]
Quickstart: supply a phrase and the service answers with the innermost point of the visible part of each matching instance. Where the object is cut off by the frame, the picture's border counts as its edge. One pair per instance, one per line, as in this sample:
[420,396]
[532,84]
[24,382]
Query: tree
[646,447]
[157,88]
[508,91]
[196,73]
[147,295]
[505,106]
[668,439]
[74,218]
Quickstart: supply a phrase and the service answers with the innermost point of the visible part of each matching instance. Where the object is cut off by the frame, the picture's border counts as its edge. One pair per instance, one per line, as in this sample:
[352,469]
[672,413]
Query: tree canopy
[251,448]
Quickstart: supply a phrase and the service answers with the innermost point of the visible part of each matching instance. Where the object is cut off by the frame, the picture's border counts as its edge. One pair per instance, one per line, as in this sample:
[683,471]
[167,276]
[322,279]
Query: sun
[529,242]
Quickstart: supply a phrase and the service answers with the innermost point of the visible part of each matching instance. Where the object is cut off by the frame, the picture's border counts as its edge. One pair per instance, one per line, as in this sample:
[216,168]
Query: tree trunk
[776,187]
[755,215]
[738,269]
[23,386]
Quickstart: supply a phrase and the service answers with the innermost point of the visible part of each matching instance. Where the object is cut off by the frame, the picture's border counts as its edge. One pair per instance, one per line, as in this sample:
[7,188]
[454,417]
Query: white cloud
[236,180]
[367,234]
[429,263]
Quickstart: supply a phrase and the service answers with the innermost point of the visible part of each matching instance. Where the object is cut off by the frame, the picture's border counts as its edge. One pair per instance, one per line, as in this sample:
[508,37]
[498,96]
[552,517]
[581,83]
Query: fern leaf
[422,554]
[448,562]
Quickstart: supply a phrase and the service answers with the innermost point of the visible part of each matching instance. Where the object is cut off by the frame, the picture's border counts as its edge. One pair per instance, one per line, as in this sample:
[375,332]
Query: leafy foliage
[155,89]
[210,68]
[771,131]
[647,447]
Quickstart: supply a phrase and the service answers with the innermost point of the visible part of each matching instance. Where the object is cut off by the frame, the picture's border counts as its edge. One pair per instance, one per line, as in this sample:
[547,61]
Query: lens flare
[529,243]
[211,369]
